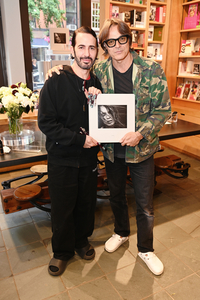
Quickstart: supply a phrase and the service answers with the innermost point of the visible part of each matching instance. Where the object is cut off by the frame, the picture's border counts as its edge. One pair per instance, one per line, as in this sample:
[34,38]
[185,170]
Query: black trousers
[73,201]
[142,175]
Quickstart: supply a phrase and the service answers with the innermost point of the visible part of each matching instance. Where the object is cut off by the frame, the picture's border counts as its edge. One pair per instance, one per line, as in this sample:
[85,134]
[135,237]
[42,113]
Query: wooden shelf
[123,6]
[190,30]
[189,56]
[191,2]
[188,76]
[190,101]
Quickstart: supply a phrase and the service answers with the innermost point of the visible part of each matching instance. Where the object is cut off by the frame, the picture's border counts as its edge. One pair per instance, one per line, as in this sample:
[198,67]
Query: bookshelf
[186,108]
[145,7]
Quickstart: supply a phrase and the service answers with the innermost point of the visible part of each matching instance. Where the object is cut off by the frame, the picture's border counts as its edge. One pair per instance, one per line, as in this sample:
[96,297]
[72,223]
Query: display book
[189,90]
[193,18]
[157,13]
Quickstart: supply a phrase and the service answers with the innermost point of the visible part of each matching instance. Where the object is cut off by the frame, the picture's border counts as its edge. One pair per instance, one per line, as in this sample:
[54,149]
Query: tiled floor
[25,250]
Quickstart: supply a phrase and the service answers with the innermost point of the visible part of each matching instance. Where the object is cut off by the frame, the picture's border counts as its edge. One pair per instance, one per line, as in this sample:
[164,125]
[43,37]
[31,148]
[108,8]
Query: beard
[82,65]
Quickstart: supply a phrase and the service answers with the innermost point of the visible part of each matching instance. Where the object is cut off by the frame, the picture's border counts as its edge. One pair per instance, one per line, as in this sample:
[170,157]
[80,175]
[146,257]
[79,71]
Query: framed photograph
[59,39]
[112,116]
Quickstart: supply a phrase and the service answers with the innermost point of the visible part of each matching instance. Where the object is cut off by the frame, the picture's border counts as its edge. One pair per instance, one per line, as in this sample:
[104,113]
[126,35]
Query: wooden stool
[39,169]
[27,192]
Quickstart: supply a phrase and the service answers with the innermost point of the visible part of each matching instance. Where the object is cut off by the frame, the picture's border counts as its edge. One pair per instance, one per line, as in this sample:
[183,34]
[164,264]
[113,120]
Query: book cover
[189,66]
[189,46]
[193,91]
[134,38]
[156,51]
[196,69]
[150,33]
[198,92]
[179,90]
[192,11]
[186,90]
[197,45]
[115,11]
[150,52]
[157,36]
[140,19]
[164,14]
[141,39]
[182,50]
[182,67]
[159,14]
[152,15]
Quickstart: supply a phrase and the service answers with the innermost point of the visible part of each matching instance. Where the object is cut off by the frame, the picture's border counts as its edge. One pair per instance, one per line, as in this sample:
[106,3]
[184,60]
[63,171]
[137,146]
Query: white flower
[7,100]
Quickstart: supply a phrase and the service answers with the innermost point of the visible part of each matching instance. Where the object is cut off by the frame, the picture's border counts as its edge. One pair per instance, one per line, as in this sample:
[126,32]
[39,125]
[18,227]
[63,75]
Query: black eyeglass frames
[123,39]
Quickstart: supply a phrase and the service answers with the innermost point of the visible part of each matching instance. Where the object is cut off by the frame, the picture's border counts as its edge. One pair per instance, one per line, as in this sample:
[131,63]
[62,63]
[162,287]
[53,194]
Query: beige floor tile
[100,236]
[21,235]
[48,246]
[37,284]
[174,269]
[2,246]
[63,296]
[170,235]
[8,289]
[80,271]
[159,296]
[95,290]
[28,257]
[14,219]
[44,229]
[188,288]
[110,262]
[5,270]
[38,214]
[129,282]
[189,223]
[188,253]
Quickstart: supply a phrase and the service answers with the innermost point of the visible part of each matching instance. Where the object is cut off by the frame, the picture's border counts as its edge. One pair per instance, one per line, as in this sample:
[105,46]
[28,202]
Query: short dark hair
[122,27]
[83,29]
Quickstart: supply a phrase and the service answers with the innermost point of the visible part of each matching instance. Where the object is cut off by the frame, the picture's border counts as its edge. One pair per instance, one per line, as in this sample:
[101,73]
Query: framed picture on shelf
[112,116]
[59,39]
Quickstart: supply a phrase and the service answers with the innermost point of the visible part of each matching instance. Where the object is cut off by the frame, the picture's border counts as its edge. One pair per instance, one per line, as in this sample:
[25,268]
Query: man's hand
[55,69]
[91,95]
[90,142]
[131,139]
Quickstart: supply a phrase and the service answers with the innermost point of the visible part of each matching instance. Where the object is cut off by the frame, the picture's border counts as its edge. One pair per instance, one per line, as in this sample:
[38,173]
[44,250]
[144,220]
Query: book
[115,11]
[141,39]
[193,9]
[182,50]
[186,90]
[198,92]
[134,38]
[182,67]
[152,15]
[193,91]
[140,19]
[179,90]
[189,66]
[159,14]
[150,33]
[126,17]
[196,69]
[197,45]
[189,46]
[157,36]
[150,52]
[156,51]
[164,13]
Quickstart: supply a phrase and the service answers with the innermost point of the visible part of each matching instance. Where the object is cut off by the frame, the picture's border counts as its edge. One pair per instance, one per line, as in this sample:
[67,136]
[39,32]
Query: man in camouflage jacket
[152,104]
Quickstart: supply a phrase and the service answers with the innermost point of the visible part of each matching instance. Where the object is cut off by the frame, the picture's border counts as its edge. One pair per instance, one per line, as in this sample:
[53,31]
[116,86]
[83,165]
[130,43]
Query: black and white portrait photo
[112,116]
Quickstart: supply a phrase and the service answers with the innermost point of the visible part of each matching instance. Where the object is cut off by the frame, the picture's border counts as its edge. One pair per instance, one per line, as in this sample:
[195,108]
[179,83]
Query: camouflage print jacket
[152,104]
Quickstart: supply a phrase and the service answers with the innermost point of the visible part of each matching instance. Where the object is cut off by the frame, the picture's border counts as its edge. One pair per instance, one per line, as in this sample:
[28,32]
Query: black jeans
[142,175]
[73,201]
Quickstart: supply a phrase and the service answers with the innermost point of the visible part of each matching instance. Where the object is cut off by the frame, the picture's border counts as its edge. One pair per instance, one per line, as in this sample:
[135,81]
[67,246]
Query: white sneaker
[152,262]
[115,242]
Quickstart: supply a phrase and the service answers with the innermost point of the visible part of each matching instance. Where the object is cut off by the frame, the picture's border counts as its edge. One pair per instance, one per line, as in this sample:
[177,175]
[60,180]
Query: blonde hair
[121,26]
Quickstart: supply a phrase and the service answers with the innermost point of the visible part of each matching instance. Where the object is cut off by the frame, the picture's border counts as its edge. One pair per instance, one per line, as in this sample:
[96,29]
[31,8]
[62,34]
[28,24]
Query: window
[95,15]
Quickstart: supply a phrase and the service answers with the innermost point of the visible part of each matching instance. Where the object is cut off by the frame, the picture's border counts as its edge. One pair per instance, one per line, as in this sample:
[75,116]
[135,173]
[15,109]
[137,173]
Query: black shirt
[122,85]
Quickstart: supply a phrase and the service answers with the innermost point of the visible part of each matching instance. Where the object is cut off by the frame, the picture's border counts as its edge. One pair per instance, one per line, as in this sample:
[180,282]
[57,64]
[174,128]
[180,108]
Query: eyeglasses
[123,39]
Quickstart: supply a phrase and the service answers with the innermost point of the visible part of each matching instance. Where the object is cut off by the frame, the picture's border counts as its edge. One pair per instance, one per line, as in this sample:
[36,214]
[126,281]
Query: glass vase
[15,125]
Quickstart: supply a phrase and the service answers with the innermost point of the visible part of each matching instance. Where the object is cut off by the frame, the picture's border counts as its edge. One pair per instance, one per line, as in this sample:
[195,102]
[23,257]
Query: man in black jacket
[72,157]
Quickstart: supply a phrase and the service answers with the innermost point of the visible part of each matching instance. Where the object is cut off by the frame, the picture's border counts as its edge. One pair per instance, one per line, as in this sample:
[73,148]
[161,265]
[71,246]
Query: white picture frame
[123,108]
[59,39]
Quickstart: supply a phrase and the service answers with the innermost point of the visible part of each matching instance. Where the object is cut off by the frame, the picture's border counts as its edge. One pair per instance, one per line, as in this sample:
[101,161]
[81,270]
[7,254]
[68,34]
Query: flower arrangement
[14,100]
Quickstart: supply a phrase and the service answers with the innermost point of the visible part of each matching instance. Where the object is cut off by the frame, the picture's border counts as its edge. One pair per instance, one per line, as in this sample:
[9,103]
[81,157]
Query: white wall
[12,31]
